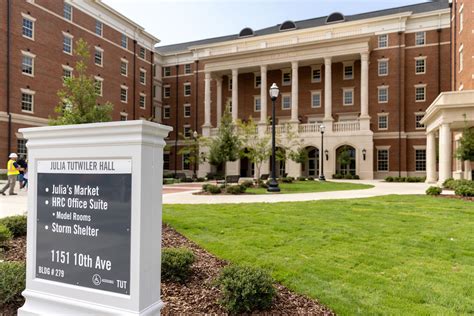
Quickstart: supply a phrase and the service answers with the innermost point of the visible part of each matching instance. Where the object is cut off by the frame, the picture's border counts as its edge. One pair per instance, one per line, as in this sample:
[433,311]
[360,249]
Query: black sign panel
[84,224]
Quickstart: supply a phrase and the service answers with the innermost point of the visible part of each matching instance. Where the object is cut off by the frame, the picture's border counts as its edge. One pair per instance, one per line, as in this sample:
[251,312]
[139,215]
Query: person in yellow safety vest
[13,170]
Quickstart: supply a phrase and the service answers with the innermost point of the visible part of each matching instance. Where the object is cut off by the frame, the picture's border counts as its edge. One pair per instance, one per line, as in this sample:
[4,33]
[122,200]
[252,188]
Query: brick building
[38,38]
[367,78]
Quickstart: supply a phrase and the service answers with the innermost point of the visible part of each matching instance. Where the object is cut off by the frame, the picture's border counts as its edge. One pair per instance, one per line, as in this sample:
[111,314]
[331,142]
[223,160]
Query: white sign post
[94,219]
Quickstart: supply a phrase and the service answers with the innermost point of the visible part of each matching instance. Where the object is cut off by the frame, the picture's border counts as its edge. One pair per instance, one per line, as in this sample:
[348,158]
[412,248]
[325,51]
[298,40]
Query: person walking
[13,170]
[22,163]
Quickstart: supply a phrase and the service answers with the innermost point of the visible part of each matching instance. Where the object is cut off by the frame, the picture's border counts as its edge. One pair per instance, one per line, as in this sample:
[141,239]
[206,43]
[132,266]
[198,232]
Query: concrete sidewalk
[15,204]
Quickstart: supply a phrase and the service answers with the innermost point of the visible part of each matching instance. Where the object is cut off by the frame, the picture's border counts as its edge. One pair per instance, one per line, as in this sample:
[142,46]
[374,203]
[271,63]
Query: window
[187,68]
[21,148]
[382,159]
[420,38]
[420,93]
[383,41]
[383,94]
[98,56]
[27,100]
[67,11]
[166,91]
[286,78]
[187,131]
[187,110]
[67,43]
[348,71]
[230,84]
[28,29]
[142,100]
[418,117]
[154,91]
[99,28]
[99,85]
[461,58]
[124,41]
[142,76]
[348,96]
[316,74]
[420,65]
[383,67]
[461,19]
[258,81]
[316,99]
[383,121]
[166,71]
[257,102]
[124,67]
[123,94]
[27,64]
[186,163]
[166,161]
[166,112]
[123,116]
[142,53]
[187,89]
[420,159]
[286,101]
[67,71]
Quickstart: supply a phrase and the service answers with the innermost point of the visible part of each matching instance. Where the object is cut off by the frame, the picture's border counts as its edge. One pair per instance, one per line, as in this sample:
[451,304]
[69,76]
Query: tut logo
[96,279]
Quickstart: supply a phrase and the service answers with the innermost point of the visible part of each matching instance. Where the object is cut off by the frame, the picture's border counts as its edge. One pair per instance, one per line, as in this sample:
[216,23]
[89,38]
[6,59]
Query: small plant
[5,234]
[205,187]
[310,178]
[245,289]
[289,179]
[348,176]
[337,176]
[247,184]
[464,190]
[176,264]
[16,224]
[262,184]
[389,179]
[235,189]
[200,179]
[12,281]
[356,177]
[434,191]
[301,179]
[213,189]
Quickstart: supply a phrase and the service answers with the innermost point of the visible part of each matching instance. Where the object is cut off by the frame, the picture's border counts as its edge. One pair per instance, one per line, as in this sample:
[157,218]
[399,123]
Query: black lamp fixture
[326,152]
[364,153]
[273,183]
[322,128]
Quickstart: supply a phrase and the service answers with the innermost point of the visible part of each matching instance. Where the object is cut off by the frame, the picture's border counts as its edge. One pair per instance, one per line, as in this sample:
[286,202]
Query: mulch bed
[198,295]
[457,197]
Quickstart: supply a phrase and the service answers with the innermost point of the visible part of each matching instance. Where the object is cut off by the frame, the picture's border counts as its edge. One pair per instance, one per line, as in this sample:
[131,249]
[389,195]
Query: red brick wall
[463,37]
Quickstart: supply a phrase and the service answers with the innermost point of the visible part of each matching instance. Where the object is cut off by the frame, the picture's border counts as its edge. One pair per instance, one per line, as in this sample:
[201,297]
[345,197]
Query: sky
[177,21]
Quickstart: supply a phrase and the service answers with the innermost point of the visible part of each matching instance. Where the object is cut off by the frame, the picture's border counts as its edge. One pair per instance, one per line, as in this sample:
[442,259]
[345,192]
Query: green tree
[226,145]
[465,151]
[190,150]
[344,159]
[292,148]
[256,148]
[78,97]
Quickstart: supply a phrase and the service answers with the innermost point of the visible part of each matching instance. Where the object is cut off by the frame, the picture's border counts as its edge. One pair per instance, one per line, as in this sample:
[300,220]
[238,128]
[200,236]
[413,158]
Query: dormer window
[335,17]
[246,32]
[288,25]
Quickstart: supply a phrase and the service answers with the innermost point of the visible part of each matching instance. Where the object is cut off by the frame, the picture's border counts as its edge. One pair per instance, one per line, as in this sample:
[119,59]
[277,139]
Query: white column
[263,94]
[328,94]
[364,85]
[219,100]
[207,99]
[445,155]
[235,94]
[430,157]
[294,91]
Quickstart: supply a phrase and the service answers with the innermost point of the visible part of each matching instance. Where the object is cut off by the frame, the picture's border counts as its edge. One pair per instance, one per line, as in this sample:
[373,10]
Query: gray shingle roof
[315,22]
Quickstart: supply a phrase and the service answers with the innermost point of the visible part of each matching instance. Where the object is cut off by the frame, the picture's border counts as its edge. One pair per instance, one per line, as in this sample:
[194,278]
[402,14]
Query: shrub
[205,187]
[448,183]
[310,178]
[12,281]
[247,184]
[16,224]
[169,180]
[245,289]
[434,191]
[348,176]
[200,179]
[262,184]
[289,180]
[176,264]
[356,177]
[301,178]
[235,189]
[213,189]
[5,234]
[454,184]
[464,190]
[389,179]
[337,176]
[188,179]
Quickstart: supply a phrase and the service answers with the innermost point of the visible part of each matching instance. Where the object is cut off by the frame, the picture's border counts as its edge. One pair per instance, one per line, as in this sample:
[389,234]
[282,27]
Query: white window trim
[347,64]
[142,70]
[255,98]
[184,131]
[126,41]
[101,80]
[461,18]
[286,94]
[379,61]
[101,50]
[164,71]
[313,68]
[343,96]
[419,147]
[461,58]
[123,60]
[378,93]
[32,56]
[164,111]
[421,58]
[101,29]
[420,86]
[68,68]
[379,115]
[283,72]
[33,20]
[126,95]
[418,114]
[164,88]
[124,114]
[190,69]
[72,43]
[316,92]
[229,83]
[72,12]
[187,84]
[378,41]
[184,110]
[424,38]
[32,93]
[144,105]
[255,75]
[139,52]
[387,148]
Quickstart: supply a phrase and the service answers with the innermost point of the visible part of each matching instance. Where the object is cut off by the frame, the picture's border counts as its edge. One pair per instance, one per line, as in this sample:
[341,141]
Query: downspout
[439,61]
[134,76]
[454,45]
[9,147]
[196,77]
[152,85]
[399,104]
[176,123]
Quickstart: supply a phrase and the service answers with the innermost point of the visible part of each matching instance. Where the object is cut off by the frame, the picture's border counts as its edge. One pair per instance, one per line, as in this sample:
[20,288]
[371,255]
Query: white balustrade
[309,128]
[347,126]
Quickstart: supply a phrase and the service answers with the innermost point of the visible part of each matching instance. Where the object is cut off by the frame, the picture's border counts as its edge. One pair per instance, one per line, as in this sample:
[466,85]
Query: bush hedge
[247,184]
[176,264]
[213,189]
[434,191]
[16,224]
[301,178]
[405,179]
[245,289]
[345,176]
[289,179]
[12,281]
[5,234]
[464,190]
[235,189]
[452,184]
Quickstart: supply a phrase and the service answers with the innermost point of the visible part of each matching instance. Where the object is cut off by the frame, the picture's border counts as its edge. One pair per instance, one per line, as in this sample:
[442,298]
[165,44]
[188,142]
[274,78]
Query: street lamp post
[196,152]
[273,183]
[321,173]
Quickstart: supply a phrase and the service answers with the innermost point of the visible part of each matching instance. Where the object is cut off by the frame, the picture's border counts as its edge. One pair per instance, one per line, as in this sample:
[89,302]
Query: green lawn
[313,186]
[393,255]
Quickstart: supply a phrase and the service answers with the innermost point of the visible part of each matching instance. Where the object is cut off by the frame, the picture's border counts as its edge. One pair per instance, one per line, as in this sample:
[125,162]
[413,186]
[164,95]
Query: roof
[309,23]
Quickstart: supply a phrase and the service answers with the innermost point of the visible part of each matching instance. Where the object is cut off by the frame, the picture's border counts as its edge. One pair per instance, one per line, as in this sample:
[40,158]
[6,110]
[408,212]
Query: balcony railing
[343,127]
[309,128]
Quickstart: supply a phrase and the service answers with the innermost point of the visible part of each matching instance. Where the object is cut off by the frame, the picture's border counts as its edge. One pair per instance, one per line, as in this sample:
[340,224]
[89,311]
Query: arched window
[245,32]
[335,18]
[288,25]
